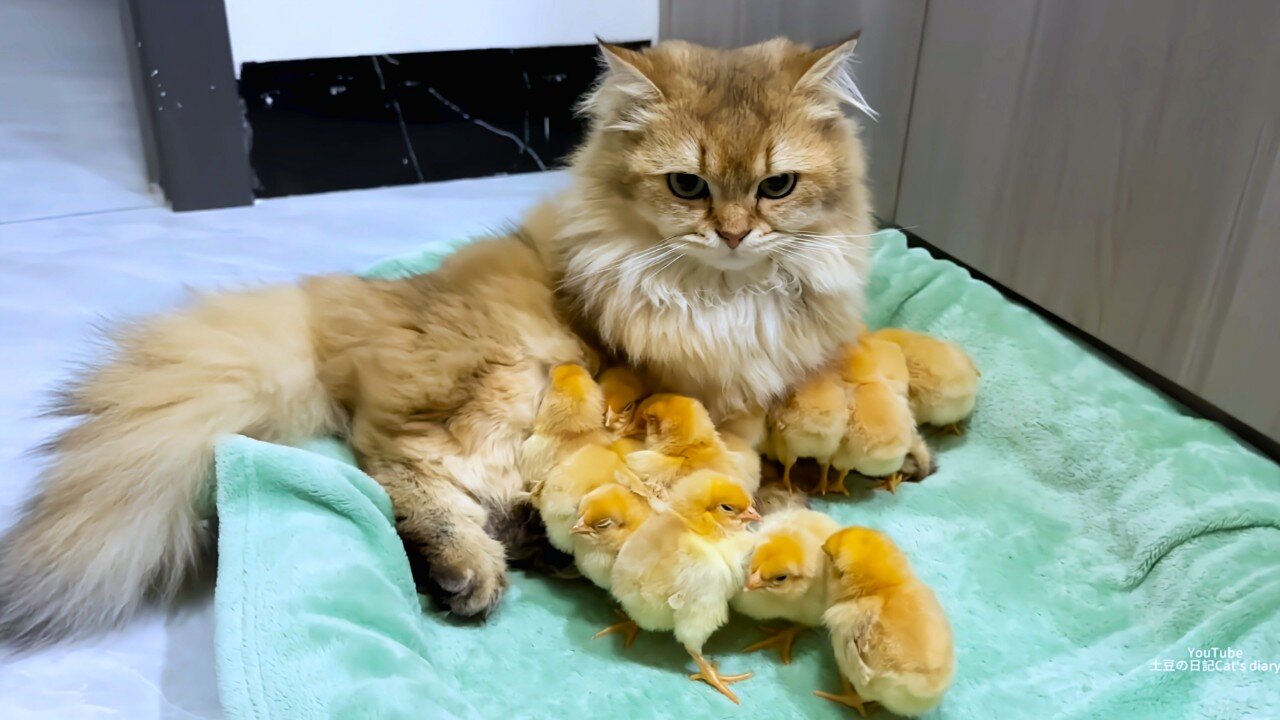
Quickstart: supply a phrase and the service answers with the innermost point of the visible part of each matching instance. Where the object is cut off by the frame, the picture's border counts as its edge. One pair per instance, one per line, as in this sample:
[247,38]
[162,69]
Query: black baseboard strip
[1191,401]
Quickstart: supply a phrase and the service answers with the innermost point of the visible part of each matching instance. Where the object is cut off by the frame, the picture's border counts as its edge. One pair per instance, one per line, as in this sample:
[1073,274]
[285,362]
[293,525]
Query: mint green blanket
[1083,536]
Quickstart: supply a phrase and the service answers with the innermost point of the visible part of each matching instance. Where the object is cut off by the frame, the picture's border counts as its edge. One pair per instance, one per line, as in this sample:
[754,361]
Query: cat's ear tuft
[624,91]
[829,79]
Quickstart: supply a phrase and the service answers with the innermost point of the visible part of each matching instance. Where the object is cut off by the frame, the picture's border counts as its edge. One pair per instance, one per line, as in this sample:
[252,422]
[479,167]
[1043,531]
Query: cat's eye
[777,186]
[687,186]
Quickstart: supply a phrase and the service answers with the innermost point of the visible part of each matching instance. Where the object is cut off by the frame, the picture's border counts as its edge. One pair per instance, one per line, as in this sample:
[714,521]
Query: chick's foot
[782,639]
[628,627]
[837,486]
[891,483]
[708,673]
[847,697]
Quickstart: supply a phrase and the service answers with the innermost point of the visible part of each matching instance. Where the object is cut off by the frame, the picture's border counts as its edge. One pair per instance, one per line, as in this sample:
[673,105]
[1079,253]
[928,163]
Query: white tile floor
[82,238]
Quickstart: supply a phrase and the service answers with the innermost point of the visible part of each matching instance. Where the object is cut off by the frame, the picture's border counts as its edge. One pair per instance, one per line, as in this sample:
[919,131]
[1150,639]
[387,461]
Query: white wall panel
[265,30]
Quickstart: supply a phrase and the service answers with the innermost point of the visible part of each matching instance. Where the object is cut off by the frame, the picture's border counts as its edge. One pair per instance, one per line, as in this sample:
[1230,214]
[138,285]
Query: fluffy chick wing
[646,571]
[811,421]
[667,577]
[895,646]
[564,486]
[881,430]
[943,378]
[709,576]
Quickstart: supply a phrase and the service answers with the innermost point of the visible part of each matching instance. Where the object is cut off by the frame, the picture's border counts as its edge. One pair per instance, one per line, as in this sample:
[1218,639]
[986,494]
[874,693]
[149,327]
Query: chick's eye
[777,186]
[687,186]
[726,507]
[629,407]
[603,524]
[780,578]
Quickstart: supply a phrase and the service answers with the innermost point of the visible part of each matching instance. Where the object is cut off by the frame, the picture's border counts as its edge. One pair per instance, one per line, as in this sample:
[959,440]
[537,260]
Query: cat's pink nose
[732,239]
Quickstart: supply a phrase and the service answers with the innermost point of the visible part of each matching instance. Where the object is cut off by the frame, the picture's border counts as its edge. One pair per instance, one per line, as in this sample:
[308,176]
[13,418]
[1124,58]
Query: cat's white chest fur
[735,347]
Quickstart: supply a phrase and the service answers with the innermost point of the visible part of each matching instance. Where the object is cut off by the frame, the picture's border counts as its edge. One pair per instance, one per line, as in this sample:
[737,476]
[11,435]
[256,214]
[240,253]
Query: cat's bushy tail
[117,517]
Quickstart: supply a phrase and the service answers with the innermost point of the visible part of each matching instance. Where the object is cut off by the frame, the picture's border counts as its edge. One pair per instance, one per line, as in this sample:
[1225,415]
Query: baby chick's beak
[580,528]
[755,582]
[750,515]
[610,419]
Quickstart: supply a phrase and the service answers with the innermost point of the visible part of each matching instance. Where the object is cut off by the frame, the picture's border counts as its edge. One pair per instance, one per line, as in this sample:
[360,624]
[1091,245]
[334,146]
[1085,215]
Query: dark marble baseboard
[367,121]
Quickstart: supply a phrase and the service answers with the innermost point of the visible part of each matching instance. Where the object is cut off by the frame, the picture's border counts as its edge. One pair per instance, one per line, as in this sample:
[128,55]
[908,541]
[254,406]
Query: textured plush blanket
[1100,554]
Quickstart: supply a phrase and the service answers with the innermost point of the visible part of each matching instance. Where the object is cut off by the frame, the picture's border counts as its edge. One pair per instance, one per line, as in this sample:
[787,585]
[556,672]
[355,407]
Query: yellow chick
[891,638]
[943,379]
[570,416]
[679,439]
[881,431]
[787,575]
[568,453]
[559,497]
[607,516]
[623,389]
[678,571]
[810,423]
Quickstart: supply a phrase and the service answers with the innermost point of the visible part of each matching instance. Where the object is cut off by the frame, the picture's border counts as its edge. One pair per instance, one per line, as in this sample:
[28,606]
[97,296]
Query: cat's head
[728,159]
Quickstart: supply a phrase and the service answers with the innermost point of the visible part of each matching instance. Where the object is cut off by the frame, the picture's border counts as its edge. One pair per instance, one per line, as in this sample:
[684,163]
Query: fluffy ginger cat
[714,236]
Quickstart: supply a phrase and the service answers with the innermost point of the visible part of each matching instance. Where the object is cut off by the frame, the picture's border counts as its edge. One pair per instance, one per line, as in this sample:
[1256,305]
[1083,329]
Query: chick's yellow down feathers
[568,453]
[881,431]
[680,438]
[892,641]
[607,516]
[623,390]
[788,577]
[943,379]
[678,571]
[810,423]
[570,416]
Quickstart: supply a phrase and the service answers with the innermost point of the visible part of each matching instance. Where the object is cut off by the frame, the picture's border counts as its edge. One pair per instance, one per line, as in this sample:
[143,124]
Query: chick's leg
[783,639]
[847,697]
[786,474]
[891,483]
[628,627]
[838,485]
[708,673]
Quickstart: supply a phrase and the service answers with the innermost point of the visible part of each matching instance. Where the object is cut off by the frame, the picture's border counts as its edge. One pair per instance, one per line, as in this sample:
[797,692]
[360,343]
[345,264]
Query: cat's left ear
[625,88]
[829,78]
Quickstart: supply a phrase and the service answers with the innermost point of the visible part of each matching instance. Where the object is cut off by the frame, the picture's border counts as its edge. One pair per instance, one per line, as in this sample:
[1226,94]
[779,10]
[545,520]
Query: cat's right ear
[624,91]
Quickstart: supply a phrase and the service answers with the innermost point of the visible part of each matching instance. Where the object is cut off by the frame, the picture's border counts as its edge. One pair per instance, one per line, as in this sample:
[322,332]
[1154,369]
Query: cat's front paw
[470,576]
